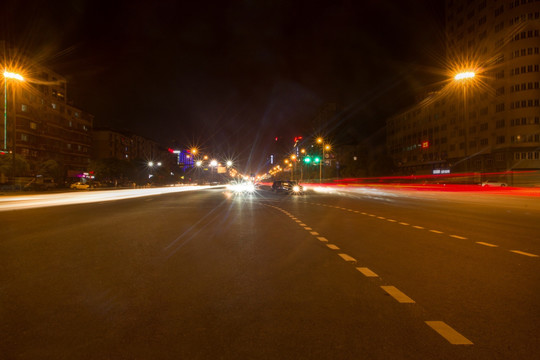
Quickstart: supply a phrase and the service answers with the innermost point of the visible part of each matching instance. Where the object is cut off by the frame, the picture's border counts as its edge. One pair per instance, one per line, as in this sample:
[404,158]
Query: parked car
[288,186]
[493,183]
[80,186]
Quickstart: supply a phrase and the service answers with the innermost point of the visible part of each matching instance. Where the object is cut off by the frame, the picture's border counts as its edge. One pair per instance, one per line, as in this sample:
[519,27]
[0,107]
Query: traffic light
[317,160]
[307,159]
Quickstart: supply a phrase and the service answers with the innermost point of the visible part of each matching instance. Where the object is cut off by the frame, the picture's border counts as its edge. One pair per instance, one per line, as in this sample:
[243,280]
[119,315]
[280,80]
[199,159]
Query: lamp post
[11,75]
[464,78]
[293,163]
[324,147]
[213,164]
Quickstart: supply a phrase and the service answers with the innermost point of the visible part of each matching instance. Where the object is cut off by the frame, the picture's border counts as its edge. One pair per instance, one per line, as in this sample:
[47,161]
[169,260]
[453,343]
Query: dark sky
[229,76]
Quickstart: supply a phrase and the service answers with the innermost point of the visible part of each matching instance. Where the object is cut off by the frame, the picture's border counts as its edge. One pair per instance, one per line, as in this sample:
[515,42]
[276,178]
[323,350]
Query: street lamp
[464,78]
[293,164]
[325,147]
[15,76]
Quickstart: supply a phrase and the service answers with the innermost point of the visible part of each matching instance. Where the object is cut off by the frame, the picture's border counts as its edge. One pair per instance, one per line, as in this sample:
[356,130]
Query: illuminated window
[53,106]
[33,125]
[24,107]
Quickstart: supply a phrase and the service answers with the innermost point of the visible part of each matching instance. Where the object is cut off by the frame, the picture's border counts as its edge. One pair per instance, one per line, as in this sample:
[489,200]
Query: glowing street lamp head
[213,163]
[194,151]
[150,163]
[327,147]
[319,140]
[198,163]
[229,163]
[464,75]
[11,75]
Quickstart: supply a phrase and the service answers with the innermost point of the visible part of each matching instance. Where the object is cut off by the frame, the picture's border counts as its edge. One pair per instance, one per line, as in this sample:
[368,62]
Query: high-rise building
[39,123]
[487,119]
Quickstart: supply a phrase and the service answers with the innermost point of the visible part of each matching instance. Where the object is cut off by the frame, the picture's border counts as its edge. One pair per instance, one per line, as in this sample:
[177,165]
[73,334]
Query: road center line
[332,246]
[418,227]
[436,231]
[308,228]
[391,220]
[398,295]
[523,253]
[458,237]
[314,233]
[367,272]
[322,239]
[448,333]
[302,224]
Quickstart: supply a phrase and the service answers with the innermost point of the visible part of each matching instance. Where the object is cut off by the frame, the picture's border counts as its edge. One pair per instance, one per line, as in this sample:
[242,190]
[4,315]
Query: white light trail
[73,198]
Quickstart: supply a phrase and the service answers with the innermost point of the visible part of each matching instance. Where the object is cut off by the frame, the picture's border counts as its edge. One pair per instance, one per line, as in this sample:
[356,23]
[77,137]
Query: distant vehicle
[242,187]
[493,183]
[80,186]
[288,186]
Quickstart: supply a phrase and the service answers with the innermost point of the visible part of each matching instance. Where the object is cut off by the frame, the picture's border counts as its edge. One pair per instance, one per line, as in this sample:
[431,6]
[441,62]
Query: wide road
[359,273]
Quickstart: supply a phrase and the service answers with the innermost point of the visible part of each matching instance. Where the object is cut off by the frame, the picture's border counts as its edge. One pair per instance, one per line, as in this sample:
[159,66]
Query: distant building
[40,124]
[490,123]
[123,145]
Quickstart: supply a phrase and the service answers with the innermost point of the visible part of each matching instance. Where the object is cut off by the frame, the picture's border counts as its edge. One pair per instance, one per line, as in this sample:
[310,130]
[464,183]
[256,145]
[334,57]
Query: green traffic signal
[317,159]
[307,159]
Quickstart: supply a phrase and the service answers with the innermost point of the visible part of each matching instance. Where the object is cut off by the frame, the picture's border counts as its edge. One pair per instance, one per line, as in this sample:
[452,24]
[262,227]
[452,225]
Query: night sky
[229,76]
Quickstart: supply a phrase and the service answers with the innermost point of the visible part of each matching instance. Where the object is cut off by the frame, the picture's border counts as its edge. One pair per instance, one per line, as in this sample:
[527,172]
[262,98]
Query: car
[493,183]
[80,186]
[288,186]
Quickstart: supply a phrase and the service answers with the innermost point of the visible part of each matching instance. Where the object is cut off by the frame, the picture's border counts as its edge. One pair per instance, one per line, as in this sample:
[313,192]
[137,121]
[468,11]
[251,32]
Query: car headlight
[296,188]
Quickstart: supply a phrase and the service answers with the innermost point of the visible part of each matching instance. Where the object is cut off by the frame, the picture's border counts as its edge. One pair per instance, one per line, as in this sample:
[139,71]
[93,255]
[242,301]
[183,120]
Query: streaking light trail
[73,198]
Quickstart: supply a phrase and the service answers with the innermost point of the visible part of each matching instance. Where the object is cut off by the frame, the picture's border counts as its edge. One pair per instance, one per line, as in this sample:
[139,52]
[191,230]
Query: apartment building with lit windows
[40,123]
[488,123]
[123,145]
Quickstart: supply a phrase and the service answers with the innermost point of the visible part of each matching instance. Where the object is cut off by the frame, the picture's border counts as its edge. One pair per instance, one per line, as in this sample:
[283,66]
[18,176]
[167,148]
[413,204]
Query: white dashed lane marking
[367,272]
[523,253]
[486,244]
[440,327]
[398,295]
[448,333]
[347,258]
[458,237]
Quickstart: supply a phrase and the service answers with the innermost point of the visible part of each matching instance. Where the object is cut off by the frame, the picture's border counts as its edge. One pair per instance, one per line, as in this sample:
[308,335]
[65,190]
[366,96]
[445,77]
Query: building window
[24,107]
[33,125]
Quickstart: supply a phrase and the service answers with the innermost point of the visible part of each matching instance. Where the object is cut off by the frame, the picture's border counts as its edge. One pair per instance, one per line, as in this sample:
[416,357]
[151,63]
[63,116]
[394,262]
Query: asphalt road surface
[361,274]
